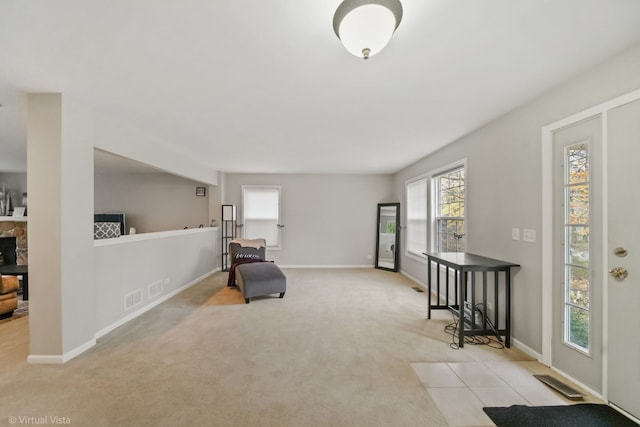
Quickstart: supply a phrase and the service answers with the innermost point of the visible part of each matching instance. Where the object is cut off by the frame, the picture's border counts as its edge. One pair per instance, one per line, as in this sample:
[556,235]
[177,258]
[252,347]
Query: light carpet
[229,295]
[336,351]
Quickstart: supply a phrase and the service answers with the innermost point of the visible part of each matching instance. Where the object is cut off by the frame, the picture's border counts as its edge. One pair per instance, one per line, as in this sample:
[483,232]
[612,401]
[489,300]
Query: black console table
[464,264]
[18,270]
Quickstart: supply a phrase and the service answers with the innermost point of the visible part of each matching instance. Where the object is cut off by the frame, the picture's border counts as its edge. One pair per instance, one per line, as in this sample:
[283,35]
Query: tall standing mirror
[388,239]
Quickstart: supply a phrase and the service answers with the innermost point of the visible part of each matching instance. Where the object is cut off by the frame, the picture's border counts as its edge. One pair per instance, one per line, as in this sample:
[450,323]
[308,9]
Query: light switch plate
[515,234]
[529,235]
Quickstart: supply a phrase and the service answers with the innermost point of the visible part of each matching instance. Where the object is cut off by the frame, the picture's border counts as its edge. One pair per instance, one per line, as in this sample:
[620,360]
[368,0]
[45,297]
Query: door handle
[619,273]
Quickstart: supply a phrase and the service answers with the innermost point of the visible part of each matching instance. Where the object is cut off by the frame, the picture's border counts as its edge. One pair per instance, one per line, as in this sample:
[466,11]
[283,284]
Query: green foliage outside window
[450,211]
[577,244]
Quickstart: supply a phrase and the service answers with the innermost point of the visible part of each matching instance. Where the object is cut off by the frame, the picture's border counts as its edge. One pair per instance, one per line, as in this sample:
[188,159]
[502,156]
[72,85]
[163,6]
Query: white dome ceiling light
[366,26]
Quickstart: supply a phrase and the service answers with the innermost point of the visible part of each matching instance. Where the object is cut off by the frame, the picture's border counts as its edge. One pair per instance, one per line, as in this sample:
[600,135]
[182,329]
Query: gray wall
[152,201]
[62,135]
[504,162]
[16,183]
[330,220]
[177,259]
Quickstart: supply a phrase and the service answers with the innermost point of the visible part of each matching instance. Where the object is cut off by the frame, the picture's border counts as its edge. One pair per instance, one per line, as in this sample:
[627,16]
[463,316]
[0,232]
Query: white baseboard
[418,281]
[578,383]
[325,266]
[44,359]
[59,359]
[538,356]
[526,349]
[625,413]
[102,332]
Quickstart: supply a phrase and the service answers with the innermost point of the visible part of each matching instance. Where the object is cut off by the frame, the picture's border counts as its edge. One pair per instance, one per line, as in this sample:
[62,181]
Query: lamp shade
[366,26]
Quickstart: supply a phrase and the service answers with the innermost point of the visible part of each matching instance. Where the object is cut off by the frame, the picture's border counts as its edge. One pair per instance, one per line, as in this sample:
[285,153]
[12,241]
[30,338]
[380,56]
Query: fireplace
[8,250]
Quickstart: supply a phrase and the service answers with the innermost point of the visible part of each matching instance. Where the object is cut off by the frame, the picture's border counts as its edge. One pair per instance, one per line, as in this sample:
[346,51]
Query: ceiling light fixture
[366,26]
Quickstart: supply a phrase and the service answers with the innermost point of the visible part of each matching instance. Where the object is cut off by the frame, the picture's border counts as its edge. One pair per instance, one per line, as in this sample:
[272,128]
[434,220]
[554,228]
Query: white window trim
[408,254]
[459,164]
[262,187]
[588,351]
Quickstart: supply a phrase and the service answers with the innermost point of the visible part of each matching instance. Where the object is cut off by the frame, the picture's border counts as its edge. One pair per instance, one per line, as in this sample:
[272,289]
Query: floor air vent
[154,289]
[132,299]
[417,289]
[567,391]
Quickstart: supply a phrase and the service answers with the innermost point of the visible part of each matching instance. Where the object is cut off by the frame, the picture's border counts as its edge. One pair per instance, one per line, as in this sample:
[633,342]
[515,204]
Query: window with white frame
[261,213]
[417,221]
[449,210]
[577,246]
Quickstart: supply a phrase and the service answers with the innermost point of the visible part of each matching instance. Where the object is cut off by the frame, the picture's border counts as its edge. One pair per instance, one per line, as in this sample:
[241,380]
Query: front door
[623,255]
[577,252]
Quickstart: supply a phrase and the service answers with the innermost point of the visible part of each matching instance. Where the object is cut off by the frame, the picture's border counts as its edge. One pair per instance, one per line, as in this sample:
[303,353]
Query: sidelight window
[577,271]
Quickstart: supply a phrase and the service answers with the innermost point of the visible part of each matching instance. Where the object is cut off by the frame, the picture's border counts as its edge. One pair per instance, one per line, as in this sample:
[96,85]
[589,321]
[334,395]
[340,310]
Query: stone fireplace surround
[17,229]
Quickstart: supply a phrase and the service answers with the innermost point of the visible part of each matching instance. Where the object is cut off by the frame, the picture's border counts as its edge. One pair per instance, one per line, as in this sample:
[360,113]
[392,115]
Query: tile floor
[461,390]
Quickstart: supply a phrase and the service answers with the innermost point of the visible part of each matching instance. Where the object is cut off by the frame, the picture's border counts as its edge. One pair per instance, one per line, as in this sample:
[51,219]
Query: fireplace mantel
[14,218]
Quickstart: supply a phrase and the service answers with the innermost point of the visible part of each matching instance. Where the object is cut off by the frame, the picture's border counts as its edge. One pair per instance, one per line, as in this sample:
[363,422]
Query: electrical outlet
[515,234]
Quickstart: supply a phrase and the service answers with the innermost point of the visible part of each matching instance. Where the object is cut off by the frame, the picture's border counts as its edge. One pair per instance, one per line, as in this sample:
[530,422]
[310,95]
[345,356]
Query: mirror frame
[396,257]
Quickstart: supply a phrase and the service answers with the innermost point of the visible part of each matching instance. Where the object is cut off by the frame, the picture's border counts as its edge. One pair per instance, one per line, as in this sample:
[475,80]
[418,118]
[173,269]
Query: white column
[60,187]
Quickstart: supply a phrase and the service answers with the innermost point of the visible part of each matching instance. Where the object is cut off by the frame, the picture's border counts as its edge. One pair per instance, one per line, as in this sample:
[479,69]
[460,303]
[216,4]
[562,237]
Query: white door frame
[547,225]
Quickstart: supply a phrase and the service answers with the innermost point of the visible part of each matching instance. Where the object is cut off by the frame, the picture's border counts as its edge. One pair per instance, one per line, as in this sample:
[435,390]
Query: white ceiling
[265,86]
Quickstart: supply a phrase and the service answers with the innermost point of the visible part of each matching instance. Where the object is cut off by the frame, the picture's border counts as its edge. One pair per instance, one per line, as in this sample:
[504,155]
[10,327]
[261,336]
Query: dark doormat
[581,415]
